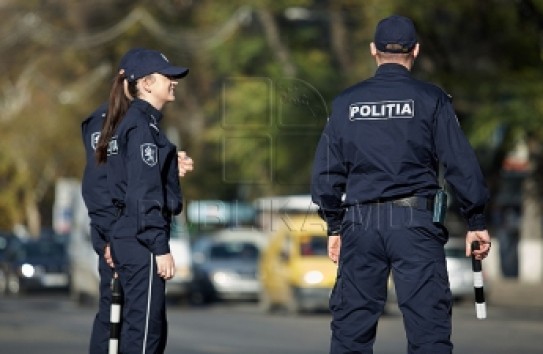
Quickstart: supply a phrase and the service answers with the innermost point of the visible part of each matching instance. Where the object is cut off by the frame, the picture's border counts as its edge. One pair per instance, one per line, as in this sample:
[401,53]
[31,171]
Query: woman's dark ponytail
[117,106]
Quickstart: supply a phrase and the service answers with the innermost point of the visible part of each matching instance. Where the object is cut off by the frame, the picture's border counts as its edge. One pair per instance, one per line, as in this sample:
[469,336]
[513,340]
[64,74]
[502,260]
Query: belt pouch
[440,207]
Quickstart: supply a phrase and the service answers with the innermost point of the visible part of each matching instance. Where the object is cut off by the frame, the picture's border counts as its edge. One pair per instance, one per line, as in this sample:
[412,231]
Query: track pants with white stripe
[144,324]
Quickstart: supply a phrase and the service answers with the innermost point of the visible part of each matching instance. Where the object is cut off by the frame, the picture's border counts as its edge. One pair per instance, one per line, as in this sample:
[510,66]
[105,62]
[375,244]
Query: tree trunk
[33,217]
[338,36]
[271,31]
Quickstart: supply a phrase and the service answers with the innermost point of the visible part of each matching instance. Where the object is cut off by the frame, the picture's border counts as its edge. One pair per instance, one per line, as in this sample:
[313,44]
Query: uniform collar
[392,68]
[154,114]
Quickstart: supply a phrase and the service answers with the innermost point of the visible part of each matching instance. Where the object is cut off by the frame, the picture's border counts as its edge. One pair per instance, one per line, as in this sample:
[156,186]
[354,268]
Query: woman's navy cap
[127,56]
[143,62]
[395,34]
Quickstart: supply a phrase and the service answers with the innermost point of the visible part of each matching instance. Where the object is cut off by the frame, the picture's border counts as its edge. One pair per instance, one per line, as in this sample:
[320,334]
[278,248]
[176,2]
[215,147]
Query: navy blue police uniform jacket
[385,139]
[143,178]
[94,187]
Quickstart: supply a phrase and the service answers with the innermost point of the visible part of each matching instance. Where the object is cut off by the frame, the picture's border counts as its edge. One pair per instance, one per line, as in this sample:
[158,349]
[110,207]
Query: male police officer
[375,178]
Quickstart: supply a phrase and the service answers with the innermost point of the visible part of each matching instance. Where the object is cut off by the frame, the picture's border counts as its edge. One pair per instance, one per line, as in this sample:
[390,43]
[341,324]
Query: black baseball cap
[395,34]
[143,62]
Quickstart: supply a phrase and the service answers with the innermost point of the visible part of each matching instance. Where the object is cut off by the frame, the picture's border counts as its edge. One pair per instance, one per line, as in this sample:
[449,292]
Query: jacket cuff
[477,222]
[159,248]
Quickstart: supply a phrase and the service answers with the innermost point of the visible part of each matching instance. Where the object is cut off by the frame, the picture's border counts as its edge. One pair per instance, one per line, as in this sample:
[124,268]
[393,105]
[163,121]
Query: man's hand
[107,256]
[334,246]
[184,163]
[165,266]
[484,241]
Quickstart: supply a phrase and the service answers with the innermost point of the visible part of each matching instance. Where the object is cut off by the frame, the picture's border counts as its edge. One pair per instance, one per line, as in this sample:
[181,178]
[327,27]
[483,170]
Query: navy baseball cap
[395,34]
[143,62]
[128,56]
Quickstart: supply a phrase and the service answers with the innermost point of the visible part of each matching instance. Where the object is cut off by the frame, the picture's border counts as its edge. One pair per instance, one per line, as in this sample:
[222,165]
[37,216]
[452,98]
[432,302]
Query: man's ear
[416,50]
[373,49]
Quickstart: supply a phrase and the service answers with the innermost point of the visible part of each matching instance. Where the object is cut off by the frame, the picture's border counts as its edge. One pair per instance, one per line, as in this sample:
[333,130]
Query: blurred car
[179,286]
[225,266]
[295,270]
[35,265]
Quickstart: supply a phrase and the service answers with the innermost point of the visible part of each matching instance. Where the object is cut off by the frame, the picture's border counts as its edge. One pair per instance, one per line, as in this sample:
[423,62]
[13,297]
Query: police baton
[480,305]
[115,314]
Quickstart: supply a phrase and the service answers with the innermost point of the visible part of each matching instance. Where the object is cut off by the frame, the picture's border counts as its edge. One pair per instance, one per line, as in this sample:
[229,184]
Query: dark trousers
[99,342]
[144,324]
[375,240]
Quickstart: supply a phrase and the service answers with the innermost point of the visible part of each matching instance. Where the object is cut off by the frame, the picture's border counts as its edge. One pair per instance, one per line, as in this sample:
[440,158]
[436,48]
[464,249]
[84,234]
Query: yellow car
[295,271]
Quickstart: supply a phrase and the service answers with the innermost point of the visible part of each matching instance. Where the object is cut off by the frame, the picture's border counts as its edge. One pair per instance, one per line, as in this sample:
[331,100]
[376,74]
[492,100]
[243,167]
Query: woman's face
[158,89]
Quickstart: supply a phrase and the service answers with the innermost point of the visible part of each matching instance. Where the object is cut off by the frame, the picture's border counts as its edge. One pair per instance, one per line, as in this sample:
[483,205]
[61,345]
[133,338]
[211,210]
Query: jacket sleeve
[462,170]
[144,190]
[328,179]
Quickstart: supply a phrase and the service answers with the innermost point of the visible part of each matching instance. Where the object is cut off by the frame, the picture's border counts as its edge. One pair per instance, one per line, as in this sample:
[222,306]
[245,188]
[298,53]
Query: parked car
[225,265]
[295,270]
[35,265]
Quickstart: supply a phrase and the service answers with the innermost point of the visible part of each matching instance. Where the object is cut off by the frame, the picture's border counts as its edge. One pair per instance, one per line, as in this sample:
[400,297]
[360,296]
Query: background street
[52,323]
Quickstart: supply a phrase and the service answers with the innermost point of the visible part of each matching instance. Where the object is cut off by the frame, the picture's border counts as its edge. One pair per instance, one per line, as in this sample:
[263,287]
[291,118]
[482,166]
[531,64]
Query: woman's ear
[147,82]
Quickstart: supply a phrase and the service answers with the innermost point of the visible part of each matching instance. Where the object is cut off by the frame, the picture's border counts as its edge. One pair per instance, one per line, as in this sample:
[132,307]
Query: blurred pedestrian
[143,185]
[375,180]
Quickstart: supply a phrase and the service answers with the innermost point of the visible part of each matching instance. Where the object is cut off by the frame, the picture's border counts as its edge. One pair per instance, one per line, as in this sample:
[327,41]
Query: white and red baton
[480,305]
[115,315]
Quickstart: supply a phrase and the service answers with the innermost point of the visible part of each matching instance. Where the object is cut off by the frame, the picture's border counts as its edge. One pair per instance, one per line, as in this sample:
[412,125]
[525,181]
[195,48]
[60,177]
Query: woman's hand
[165,266]
[184,163]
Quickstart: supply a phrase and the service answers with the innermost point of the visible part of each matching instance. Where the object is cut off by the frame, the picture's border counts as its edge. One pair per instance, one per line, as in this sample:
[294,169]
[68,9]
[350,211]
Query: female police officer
[142,181]
[374,180]
[102,213]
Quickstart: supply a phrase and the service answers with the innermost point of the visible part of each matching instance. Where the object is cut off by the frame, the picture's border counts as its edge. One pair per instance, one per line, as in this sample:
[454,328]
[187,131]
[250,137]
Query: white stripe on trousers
[149,292]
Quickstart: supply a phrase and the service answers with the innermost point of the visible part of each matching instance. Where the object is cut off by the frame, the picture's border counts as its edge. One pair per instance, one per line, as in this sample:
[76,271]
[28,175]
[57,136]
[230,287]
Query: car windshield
[43,250]
[233,250]
[314,245]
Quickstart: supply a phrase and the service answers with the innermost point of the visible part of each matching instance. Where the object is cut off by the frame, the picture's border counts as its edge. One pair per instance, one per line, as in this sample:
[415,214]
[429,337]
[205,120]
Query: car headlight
[313,277]
[28,270]
[221,277]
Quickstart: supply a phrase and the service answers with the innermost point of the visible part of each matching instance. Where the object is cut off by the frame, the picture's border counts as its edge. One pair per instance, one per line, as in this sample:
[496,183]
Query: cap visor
[174,71]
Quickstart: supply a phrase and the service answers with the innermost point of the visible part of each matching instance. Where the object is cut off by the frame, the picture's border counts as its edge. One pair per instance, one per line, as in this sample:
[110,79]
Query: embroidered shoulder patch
[149,154]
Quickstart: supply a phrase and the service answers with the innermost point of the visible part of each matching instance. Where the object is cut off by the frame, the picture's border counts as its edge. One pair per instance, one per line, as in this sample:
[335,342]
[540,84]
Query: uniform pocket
[421,220]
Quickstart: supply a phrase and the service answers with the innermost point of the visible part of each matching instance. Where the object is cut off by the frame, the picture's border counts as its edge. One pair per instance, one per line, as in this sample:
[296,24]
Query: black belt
[416,202]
